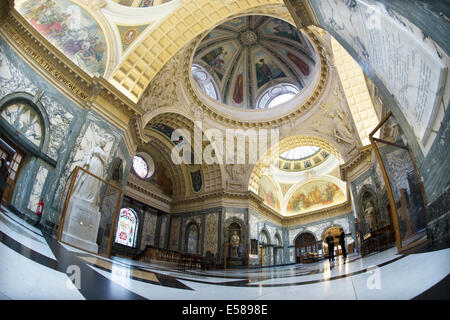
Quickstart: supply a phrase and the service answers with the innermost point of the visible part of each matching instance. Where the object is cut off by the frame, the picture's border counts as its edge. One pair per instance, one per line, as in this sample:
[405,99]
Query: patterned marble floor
[35,267]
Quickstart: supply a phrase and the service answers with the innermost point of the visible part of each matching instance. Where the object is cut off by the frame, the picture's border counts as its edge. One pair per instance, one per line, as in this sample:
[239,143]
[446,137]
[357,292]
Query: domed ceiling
[253,62]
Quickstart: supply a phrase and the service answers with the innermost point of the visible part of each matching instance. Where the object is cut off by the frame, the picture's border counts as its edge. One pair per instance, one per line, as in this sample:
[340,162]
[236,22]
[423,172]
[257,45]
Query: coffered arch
[192,18]
[211,174]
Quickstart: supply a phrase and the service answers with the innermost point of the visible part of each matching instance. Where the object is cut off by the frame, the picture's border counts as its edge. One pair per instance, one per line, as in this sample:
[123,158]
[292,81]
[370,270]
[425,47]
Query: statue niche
[235,244]
[369,211]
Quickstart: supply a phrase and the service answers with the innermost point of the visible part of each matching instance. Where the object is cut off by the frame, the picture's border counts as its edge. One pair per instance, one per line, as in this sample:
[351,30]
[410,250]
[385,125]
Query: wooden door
[14,169]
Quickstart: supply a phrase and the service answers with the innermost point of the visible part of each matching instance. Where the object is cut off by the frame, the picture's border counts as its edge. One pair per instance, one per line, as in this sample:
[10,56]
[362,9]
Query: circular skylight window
[277,95]
[299,153]
[140,166]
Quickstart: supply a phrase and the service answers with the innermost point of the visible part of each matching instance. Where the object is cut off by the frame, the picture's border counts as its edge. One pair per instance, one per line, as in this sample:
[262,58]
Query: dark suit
[330,242]
[342,243]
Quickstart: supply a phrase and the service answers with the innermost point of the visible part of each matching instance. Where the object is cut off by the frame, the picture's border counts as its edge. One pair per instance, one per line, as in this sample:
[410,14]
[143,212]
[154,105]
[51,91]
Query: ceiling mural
[248,55]
[70,29]
[314,195]
[141,3]
[268,191]
[161,176]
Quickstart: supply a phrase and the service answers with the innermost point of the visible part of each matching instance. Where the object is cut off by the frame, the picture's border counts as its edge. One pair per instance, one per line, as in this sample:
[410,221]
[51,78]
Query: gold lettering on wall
[58,76]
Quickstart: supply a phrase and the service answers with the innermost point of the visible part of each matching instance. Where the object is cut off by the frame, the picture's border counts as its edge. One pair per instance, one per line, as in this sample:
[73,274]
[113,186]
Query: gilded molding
[302,13]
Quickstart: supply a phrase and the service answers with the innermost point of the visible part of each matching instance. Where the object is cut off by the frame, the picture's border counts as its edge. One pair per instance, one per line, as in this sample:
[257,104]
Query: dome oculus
[247,57]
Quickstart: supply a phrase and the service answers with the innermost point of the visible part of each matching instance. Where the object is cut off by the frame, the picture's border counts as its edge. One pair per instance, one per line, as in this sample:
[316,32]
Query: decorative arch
[266,233]
[162,126]
[186,22]
[328,227]
[278,239]
[284,145]
[35,105]
[309,234]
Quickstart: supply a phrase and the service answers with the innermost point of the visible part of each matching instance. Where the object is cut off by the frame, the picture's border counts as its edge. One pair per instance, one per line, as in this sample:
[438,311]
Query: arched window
[192,238]
[277,95]
[205,81]
[127,227]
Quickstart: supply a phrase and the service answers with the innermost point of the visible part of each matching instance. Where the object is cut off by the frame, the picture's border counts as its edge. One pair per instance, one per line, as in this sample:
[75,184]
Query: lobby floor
[35,267]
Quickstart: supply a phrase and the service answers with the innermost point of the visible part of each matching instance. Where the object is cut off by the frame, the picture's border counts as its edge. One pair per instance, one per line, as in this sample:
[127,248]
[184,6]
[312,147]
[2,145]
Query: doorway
[14,156]
[306,248]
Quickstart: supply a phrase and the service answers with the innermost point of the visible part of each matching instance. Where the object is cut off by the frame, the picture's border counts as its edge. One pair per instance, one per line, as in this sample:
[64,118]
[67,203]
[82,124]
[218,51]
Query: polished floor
[35,267]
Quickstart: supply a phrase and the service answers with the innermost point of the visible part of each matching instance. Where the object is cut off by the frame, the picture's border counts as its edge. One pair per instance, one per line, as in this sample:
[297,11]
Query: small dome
[253,62]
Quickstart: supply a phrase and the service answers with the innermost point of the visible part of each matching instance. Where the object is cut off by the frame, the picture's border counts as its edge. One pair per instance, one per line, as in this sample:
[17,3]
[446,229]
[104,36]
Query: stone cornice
[302,13]
[147,192]
[357,165]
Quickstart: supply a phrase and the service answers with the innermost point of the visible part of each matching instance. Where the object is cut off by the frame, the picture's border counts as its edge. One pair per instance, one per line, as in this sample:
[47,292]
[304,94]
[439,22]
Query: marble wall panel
[174,233]
[148,230]
[211,233]
[37,189]
[13,79]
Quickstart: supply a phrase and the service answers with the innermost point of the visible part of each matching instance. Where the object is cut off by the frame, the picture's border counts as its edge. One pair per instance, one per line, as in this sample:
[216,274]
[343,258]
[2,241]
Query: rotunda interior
[225,135]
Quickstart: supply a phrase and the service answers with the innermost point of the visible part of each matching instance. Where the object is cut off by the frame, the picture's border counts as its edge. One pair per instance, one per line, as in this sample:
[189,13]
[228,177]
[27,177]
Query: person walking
[342,243]
[330,242]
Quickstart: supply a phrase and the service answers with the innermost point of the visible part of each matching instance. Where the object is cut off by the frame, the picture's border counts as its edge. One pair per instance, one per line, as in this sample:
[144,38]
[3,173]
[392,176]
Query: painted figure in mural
[263,72]
[88,187]
[283,29]
[235,241]
[64,24]
[369,215]
[238,95]
[299,63]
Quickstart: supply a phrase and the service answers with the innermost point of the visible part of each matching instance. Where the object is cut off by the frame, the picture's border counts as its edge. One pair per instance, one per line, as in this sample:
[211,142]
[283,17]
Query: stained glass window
[126,227]
[140,166]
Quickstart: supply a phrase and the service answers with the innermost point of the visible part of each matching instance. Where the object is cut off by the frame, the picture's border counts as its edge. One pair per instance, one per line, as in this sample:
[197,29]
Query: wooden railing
[183,260]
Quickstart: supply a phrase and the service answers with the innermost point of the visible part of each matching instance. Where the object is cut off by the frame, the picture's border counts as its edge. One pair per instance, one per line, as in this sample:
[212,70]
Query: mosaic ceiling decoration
[249,61]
